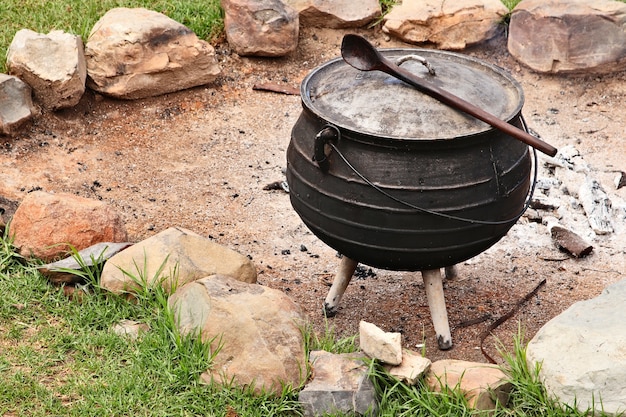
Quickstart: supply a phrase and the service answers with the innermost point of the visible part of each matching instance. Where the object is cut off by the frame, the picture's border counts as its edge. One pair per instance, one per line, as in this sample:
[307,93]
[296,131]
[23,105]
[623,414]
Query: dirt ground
[200,159]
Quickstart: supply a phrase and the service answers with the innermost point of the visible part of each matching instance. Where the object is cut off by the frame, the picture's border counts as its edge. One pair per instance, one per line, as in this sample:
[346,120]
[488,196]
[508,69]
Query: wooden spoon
[362,55]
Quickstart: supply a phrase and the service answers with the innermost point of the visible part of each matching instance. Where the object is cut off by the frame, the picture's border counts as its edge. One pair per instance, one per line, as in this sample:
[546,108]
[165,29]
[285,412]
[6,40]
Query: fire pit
[395,179]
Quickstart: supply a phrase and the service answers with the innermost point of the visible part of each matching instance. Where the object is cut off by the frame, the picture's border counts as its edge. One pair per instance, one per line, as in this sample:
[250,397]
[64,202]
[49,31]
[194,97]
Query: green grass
[204,17]
[58,356]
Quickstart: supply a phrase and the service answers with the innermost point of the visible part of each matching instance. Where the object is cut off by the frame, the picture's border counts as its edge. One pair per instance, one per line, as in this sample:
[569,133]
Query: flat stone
[255,330]
[61,271]
[338,14]
[446,24]
[137,53]
[267,28]
[568,241]
[53,65]
[340,384]
[173,258]
[481,384]
[581,36]
[582,355]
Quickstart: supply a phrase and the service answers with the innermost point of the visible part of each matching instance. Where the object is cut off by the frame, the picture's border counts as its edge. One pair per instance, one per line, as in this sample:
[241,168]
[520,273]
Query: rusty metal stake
[340,283]
[437,304]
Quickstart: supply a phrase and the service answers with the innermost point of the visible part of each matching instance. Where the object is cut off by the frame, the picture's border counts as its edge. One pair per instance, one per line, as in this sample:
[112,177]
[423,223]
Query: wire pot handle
[331,133]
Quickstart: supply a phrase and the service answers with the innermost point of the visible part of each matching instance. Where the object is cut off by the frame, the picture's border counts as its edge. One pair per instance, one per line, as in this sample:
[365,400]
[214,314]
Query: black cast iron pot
[394,179]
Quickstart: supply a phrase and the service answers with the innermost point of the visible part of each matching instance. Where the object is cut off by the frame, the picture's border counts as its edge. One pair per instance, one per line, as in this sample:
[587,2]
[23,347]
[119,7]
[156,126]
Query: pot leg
[340,283]
[451,272]
[437,304]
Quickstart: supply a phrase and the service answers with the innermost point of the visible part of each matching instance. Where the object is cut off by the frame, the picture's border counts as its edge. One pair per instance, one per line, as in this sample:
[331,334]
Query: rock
[130,328]
[137,53]
[377,344]
[569,241]
[339,14]
[582,355]
[255,330]
[481,384]
[16,105]
[412,368]
[53,65]
[569,36]
[173,258]
[46,225]
[340,385]
[61,271]
[260,27]
[447,24]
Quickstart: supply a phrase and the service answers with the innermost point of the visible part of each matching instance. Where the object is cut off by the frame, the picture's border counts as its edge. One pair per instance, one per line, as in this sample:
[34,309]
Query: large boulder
[53,65]
[581,353]
[137,53]
[173,258]
[16,104]
[553,36]
[261,27]
[47,226]
[446,24]
[255,330]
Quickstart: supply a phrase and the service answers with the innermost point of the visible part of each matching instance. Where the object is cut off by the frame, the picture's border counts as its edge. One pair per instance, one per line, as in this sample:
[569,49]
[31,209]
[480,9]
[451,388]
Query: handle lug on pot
[327,134]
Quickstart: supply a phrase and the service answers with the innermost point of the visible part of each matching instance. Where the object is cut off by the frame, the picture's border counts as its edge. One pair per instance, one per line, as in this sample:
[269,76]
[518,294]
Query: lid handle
[418,58]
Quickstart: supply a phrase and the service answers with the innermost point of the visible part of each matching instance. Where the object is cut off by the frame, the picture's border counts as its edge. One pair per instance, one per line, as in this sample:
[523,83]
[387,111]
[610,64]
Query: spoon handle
[465,106]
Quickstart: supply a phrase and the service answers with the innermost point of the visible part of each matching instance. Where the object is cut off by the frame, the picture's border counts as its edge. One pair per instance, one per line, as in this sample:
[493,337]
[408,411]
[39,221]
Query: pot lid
[377,104]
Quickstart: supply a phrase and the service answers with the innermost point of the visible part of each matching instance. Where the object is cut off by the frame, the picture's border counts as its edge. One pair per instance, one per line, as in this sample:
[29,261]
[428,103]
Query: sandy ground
[201,158]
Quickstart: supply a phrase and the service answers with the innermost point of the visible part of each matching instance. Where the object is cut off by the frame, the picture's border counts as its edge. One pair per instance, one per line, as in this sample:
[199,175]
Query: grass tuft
[401,400]
[328,340]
